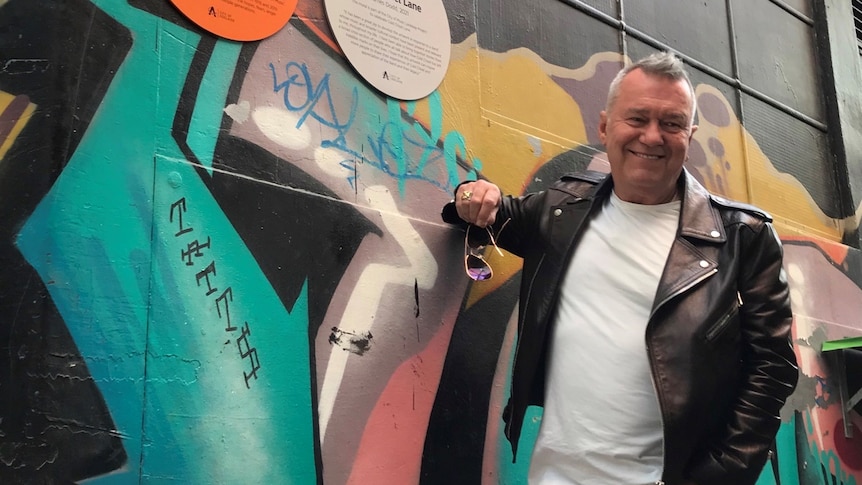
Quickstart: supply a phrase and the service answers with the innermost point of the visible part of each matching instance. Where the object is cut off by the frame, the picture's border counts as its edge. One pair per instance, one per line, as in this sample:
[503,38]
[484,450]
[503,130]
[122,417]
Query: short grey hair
[661,64]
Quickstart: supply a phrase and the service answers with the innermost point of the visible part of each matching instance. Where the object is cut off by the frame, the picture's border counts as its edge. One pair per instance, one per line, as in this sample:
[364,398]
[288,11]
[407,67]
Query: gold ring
[466,195]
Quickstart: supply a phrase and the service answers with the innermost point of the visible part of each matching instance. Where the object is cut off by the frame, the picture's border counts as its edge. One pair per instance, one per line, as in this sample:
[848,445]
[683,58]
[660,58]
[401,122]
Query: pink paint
[391,447]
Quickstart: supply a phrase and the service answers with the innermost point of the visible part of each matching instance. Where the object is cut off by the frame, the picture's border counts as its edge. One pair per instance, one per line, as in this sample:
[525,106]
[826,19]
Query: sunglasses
[475,265]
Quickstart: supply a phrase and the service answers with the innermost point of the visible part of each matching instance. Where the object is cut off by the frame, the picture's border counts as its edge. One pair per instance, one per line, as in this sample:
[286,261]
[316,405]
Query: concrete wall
[224,262]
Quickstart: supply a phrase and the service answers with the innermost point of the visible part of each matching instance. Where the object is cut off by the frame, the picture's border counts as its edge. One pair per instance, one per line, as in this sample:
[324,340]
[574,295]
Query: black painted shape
[455,440]
[56,427]
[853,367]
[295,235]
[852,266]
[575,160]
[63,56]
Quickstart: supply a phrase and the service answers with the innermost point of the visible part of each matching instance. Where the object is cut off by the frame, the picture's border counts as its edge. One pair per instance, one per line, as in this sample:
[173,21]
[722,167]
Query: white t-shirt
[602,424]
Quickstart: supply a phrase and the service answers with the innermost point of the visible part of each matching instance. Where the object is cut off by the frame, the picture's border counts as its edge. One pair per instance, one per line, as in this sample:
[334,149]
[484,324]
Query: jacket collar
[698,218]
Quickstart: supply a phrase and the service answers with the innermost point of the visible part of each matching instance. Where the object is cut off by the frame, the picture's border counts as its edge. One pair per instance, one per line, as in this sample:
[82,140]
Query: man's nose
[651,134]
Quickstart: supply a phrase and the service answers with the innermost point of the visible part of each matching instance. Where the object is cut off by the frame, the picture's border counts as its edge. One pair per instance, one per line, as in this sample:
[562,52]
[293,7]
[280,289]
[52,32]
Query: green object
[845,343]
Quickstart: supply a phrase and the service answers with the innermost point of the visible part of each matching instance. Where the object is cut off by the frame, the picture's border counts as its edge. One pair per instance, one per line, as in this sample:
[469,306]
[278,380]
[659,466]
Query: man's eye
[672,126]
[637,120]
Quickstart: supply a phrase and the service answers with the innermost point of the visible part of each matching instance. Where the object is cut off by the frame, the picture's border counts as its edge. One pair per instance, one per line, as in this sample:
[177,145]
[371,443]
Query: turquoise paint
[516,473]
[260,433]
[831,462]
[396,142]
[122,296]
[788,463]
[428,140]
[788,460]
[453,144]
[767,477]
[89,244]
[206,119]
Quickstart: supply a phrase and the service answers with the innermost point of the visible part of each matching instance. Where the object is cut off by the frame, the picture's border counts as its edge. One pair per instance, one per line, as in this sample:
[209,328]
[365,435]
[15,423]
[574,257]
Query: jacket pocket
[722,324]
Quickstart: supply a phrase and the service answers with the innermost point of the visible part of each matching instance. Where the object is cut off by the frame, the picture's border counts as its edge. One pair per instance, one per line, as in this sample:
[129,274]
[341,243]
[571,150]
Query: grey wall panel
[795,148]
[606,6]
[777,56]
[696,29]
[802,6]
[559,33]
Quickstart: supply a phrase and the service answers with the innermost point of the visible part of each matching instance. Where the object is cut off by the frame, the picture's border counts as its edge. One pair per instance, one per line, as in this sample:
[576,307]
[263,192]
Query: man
[654,317]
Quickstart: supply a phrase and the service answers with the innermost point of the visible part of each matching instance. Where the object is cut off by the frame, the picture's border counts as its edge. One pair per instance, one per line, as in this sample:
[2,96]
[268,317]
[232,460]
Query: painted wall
[223,262]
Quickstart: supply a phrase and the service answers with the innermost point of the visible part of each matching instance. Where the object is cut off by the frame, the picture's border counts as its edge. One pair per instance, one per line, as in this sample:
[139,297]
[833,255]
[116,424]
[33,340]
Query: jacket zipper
[660,413]
[658,392]
[590,209]
[518,346]
[721,324]
[682,290]
[577,198]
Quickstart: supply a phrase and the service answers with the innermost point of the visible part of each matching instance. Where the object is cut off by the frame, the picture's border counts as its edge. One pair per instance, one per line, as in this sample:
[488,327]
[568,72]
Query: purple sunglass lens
[478,269]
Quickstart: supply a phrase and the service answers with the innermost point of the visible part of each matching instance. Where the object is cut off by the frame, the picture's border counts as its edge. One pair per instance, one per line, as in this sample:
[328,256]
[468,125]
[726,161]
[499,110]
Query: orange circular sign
[238,19]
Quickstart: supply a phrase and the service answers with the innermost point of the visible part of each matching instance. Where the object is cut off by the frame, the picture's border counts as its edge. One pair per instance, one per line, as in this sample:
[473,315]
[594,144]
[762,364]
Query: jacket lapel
[693,255]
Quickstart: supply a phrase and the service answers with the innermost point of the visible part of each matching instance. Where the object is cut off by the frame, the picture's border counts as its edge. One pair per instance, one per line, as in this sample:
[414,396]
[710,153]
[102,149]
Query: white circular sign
[401,47]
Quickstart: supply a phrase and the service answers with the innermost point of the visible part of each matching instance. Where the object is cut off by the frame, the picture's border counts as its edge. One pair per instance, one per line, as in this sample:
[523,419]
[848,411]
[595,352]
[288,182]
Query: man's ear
[693,129]
[603,126]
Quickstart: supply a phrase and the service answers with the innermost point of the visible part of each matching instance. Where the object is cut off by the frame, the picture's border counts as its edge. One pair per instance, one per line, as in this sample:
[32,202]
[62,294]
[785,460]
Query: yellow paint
[512,115]
[749,176]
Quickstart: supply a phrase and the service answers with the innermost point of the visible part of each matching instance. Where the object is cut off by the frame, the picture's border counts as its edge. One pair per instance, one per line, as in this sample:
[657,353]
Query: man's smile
[645,155]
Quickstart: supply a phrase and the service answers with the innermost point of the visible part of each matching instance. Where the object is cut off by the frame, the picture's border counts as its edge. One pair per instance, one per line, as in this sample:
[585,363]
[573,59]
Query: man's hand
[477,202]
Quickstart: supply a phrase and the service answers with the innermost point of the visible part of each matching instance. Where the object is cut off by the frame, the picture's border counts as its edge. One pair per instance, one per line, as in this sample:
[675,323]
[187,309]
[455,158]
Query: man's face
[646,133]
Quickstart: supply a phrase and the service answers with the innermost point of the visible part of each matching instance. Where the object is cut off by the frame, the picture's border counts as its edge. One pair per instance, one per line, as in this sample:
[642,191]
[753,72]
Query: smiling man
[654,317]
[646,130]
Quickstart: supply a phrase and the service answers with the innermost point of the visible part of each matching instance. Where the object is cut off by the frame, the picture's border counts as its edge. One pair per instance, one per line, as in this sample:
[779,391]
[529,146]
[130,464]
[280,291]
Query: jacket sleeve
[738,453]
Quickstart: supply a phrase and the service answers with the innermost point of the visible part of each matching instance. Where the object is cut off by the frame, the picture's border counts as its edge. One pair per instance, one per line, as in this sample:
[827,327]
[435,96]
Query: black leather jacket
[717,337]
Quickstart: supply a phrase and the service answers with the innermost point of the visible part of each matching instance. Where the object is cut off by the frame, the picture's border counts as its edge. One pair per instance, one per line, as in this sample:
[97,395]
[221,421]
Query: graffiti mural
[223,262]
